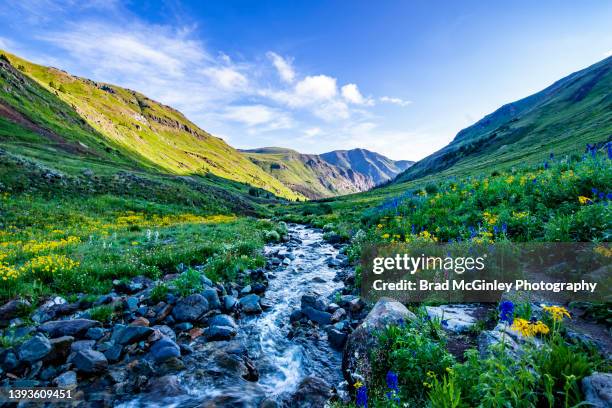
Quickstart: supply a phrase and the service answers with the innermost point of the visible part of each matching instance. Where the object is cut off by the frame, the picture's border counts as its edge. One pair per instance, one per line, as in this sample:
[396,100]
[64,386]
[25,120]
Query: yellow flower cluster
[489,218]
[44,246]
[584,200]
[520,214]
[557,312]
[49,264]
[603,251]
[131,218]
[7,272]
[529,329]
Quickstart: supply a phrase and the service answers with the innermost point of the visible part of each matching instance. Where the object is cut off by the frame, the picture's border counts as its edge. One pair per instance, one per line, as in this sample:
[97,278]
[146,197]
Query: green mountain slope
[374,166]
[78,118]
[560,119]
[308,174]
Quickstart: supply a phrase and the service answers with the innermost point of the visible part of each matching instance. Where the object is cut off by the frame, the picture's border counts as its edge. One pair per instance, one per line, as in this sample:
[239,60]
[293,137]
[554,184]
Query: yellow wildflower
[528,328]
[584,200]
[557,312]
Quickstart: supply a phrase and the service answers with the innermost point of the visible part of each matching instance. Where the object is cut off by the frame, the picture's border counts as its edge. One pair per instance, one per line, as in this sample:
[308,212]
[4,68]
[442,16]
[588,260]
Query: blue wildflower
[545,165]
[594,190]
[609,146]
[392,381]
[413,229]
[495,230]
[602,196]
[506,312]
[535,180]
[609,196]
[505,228]
[552,156]
[362,396]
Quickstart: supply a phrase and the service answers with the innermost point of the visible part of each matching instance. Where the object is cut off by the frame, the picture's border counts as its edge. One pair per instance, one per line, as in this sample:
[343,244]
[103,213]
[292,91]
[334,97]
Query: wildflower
[584,200]
[392,384]
[529,329]
[506,312]
[379,226]
[505,228]
[557,312]
[609,149]
[362,396]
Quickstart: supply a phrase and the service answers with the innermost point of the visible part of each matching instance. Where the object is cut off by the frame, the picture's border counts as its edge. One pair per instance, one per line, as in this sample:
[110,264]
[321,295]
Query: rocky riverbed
[275,339]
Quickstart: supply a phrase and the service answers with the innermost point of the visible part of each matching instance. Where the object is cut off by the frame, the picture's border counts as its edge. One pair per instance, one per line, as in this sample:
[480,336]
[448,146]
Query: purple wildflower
[392,381]
[506,312]
[362,396]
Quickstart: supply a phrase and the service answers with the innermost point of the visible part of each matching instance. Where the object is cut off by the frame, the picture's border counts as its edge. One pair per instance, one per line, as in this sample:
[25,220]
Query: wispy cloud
[395,101]
[283,66]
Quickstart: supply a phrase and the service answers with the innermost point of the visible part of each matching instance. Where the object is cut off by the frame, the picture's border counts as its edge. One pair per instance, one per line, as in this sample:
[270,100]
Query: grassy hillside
[307,174]
[115,125]
[560,119]
[374,166]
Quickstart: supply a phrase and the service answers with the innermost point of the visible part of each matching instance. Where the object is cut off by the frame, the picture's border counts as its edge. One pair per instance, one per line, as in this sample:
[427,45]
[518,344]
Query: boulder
[95,333]
[190,309]
[164,349]
[218,333]
[165,331]
[213,298]
[455,318]
[317,316]
[90,361]
[597,390]
[338,315]
[311,392]
[66,380]
[130,334]
[223,320]
[82,345]
[35,349]
[229,303]
[73,327]
[250,304]
[314,301]
[356,364]
[12,309]
[336,338]
[62,346]
[164,387]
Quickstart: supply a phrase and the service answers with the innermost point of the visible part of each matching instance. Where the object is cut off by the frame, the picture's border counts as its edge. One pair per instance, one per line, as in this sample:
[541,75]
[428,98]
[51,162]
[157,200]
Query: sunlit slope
[560,119]
[121,125]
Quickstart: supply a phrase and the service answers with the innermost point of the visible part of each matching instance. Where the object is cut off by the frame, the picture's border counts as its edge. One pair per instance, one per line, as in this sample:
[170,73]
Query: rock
[164,387]
[250,304]
[9,360]
[130,334]
[164,349]
[185,326]
[12,309]
[311,392]
[35,349]
[112,352]
[338,315]
[296,316]
[66,380]
[246,290]
[322,318]
[218,333]
[140,321]
[62,347]
[90,361]
[334,263]
[597,390]
[95,333]
[213,298]
[455,318]
[229,303]
[314,301]
[190,309]
[135,285]
[356,305]
[513,340]
[82,345]
[356,364]
[165,331]
[259,288]
[171,365]
[73,327]
[223,320]
[332,307]
[131,304]
[336,338]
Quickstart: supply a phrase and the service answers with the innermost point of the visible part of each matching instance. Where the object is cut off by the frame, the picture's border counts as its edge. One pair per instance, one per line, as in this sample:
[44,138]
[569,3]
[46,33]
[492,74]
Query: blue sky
[398,77]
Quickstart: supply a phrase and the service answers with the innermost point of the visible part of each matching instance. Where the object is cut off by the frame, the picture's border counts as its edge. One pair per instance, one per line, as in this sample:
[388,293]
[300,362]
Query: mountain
[308,174]
[374,166]
[63,119]
[330,174]
[559,119]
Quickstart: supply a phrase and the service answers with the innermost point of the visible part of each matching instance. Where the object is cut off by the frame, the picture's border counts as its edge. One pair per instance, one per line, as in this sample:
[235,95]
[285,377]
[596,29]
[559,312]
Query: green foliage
[103,313]
[445,393]
[272,236]
[188,283]
[159,293]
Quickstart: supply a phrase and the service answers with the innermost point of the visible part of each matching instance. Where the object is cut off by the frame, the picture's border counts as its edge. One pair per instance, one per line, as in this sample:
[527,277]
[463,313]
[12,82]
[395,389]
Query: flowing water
[213,376]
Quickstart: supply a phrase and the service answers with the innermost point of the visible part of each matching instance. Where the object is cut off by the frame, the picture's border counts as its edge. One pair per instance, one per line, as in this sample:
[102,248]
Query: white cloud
[283,66]
[350,92]
[312,132]
[261,116]
[395,101]
[608,54]
[332,111]
[317,88]
[226,77]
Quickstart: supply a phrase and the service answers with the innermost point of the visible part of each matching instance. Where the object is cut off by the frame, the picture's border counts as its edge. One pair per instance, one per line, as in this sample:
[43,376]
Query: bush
[272,236]
[188,282]
[102,313]
[159,293]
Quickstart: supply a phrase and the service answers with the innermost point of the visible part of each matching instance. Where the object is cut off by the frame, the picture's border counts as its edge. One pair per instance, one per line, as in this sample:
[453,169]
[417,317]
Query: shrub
[272,236]
[102,313]
[188,282]
[159,293]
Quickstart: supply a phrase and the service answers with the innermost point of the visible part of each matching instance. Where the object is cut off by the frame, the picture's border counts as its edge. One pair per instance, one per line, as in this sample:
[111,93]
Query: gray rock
[165,331]
[95,333]
[311,392]
[61,349]
[455,318]
[213,298]
[314,301]
[223,320]
[318,316]
[295,316]
[35,349]
[356,305]
[13,309]
[82,345]
[131,304]
[165,348]
[66,380]
[597,389]
[218,333]
[246,290]
[73,327]
[250,304]
[130,334]
[336,338]
[90,361]
[229,303]
[164,387]
[184,326]
[338,315]
[356,364]
[112,352]
[190,309]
